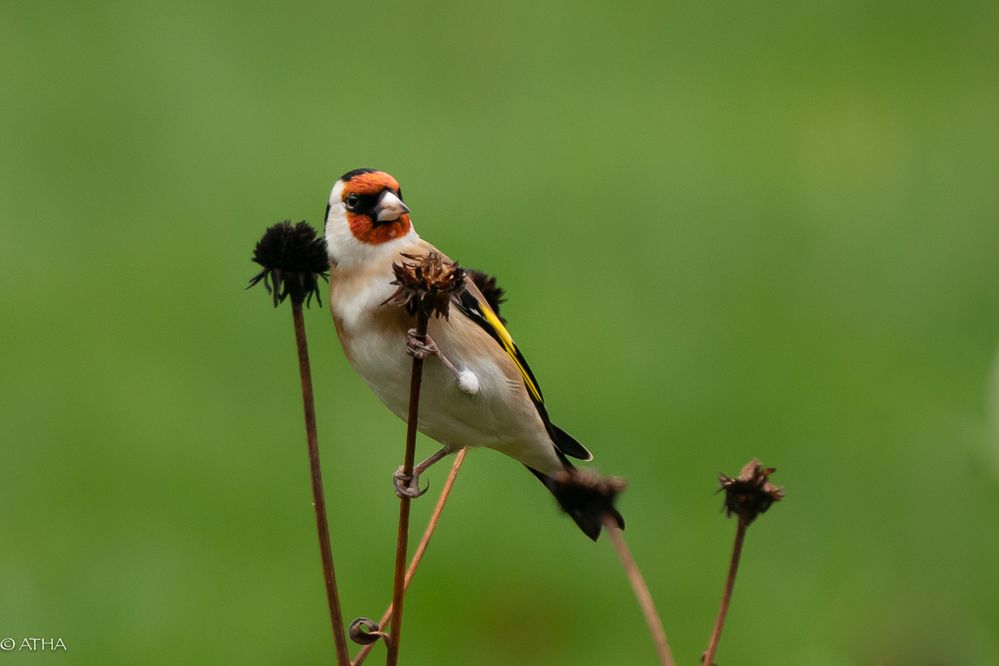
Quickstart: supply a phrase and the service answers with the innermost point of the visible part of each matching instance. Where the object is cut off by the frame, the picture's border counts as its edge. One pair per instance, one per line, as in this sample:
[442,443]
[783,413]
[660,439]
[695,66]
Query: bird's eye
[352,200]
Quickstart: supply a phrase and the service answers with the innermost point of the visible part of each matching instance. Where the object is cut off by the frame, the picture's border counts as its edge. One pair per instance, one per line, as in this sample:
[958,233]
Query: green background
[726,230]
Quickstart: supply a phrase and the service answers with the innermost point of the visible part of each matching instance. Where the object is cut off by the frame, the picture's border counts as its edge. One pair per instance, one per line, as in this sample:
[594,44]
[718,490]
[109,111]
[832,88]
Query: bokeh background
[726,230]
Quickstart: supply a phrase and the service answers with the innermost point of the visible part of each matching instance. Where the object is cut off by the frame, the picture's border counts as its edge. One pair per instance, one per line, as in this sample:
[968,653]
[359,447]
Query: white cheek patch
[336,194]
[338,235]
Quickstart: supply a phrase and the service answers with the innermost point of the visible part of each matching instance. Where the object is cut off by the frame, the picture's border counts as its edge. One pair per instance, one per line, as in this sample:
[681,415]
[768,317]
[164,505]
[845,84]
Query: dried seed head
[293,259]
[589,498]
[751,493]
[426,284]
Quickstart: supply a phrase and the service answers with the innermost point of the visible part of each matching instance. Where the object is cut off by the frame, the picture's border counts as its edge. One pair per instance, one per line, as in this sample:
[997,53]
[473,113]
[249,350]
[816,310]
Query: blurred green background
[726,230]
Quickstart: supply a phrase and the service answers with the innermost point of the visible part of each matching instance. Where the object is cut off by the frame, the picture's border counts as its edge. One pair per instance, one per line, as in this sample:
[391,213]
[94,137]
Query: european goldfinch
[481,392]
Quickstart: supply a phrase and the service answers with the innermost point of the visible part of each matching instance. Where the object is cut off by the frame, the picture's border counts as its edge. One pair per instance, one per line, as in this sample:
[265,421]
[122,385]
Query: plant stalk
[641,593]
[421,548]
[733,568]
[402,539]
[318,501]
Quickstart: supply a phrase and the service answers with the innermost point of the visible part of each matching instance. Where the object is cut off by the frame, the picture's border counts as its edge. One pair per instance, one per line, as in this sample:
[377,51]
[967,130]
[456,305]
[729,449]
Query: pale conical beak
[390,208]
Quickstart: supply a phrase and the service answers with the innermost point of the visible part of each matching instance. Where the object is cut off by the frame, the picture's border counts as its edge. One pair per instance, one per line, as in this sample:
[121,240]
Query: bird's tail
[588,515]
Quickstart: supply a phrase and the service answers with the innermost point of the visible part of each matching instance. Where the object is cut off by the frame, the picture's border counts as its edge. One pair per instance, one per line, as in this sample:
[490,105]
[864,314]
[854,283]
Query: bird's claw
[420,346]
[408,485]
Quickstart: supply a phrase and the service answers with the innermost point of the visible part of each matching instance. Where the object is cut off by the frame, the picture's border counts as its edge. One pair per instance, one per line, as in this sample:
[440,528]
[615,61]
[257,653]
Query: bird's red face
[374,208]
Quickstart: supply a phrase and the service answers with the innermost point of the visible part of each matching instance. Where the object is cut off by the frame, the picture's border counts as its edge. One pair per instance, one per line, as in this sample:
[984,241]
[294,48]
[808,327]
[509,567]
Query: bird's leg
[409,486]
[467,381]
[422,348]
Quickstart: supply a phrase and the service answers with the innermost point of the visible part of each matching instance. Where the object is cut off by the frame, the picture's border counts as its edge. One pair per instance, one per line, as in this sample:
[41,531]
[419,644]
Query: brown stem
[733,568]
[421,548]
[641,593]
[318,501]
[402,538]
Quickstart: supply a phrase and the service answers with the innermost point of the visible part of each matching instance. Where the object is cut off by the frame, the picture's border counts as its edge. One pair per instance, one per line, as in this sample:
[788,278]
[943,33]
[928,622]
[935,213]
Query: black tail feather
[567,444]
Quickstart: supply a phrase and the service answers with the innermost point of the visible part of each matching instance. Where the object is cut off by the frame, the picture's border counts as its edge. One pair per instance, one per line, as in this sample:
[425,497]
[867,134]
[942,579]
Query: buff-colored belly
[497,417]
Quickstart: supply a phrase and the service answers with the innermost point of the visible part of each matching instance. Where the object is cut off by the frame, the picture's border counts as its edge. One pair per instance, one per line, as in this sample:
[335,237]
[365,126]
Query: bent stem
[733,568]
[318,501]
[641,592]
[421,548]
[402,539]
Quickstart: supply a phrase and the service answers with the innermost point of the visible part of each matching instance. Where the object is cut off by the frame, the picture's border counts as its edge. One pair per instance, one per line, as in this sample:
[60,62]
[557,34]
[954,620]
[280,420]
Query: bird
[481,393]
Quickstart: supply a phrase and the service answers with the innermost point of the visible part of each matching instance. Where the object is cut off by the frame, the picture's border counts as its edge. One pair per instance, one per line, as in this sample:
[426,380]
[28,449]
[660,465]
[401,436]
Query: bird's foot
[408,485]
[420,347]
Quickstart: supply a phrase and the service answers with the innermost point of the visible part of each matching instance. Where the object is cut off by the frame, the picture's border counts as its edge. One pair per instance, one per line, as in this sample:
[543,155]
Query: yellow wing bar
[511,349]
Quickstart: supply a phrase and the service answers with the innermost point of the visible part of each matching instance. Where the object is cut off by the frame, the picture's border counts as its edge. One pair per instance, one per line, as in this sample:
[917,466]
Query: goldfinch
[481,392]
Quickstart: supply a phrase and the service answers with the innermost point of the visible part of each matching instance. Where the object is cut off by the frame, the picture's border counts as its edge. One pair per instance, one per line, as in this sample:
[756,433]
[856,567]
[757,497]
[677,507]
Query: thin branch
[641,592]
[733,568]
[402,538]
[422,547]
[318,501]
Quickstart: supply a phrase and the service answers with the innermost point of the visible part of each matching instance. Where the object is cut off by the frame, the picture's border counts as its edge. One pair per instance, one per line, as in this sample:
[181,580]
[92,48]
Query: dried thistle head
[426,284]
[492,292]
[293,260]
[589,498]
[751,493]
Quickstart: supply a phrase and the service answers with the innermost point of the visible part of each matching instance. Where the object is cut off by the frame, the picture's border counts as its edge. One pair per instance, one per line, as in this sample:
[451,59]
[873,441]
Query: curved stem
[733,568]
[641,593]
[421,548]
[318,500]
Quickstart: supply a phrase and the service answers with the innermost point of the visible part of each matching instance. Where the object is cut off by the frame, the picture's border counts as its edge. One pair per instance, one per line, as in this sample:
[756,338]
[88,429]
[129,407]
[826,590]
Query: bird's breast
[357,304]
[373,334]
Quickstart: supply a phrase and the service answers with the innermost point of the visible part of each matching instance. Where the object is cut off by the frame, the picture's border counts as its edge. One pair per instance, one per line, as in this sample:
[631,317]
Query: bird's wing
[472,304]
